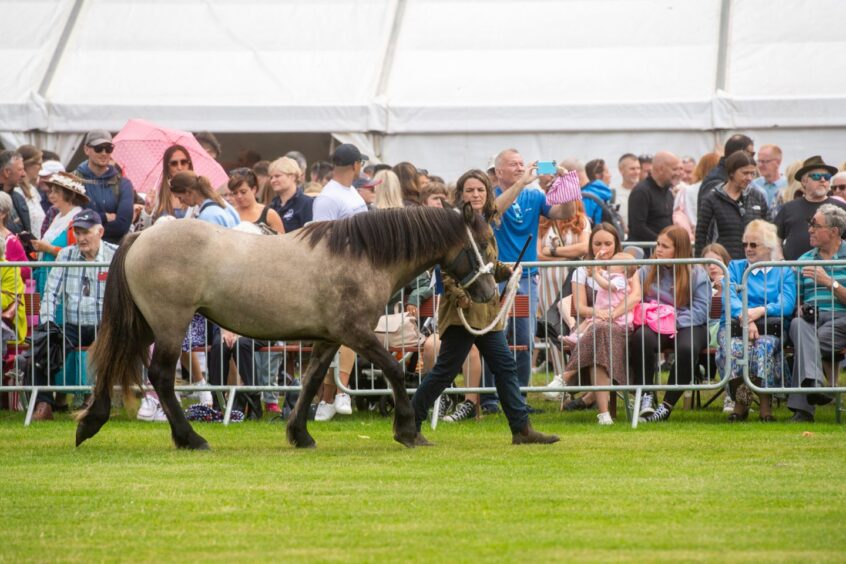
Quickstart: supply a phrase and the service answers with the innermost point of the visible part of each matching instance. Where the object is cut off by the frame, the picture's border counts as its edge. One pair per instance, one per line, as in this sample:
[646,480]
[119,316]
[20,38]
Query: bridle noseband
[477,263]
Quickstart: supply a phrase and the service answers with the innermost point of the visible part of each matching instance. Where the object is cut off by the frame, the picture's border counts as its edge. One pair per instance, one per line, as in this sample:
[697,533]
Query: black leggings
[645,344]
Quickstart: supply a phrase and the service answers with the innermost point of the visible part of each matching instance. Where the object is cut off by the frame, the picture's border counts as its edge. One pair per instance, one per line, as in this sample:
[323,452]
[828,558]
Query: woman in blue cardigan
[771,299]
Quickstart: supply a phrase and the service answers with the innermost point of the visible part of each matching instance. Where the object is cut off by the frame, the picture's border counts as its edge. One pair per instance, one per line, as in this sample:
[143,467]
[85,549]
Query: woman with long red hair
[687,289]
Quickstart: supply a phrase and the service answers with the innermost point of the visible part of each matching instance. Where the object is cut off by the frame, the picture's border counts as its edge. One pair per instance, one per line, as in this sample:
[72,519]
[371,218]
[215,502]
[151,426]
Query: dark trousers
[645,345]
[455,346]
[75,336]
[217,361]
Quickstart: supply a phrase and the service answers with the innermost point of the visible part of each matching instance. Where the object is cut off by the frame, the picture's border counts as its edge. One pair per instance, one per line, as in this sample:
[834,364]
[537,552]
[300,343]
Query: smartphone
[547,167]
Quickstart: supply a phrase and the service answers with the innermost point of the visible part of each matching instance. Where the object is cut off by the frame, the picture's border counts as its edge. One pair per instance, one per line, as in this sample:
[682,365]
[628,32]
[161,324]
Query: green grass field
[694,488]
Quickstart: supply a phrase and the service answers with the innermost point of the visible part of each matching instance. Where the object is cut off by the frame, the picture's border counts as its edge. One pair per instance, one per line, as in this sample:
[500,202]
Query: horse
[331,281]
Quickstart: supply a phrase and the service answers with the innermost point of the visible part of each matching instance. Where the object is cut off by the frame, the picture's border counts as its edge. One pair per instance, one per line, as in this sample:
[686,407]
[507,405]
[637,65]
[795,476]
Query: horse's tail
[122,344]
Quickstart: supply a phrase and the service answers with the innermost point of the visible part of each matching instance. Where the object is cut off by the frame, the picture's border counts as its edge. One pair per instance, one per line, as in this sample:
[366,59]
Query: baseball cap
[49,168]
[364,182]
[87,219]
[97,137]
[347,154]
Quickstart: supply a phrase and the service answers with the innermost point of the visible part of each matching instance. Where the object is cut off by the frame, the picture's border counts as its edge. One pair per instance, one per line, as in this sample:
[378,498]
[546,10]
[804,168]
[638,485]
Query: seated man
[80,293]
[819,332]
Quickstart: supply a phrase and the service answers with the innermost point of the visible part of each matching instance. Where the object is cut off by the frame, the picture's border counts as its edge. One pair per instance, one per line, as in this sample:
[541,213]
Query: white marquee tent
[443,83]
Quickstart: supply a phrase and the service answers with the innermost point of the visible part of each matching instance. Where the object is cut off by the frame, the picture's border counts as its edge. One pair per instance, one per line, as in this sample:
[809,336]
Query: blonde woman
[28,186]
[286,199]
[388,191]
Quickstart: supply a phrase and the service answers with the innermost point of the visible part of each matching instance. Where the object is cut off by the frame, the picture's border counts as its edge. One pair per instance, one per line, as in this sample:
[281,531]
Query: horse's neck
[406,272]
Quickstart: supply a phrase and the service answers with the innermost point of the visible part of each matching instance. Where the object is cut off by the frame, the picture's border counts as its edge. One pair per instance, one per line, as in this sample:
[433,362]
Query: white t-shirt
[337,201]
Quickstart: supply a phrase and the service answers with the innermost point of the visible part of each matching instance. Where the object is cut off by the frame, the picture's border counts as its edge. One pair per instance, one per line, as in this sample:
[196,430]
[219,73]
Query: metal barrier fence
[365,383]
[827,335]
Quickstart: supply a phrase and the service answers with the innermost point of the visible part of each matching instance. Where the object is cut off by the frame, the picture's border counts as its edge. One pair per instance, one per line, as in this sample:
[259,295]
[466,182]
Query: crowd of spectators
[726,206]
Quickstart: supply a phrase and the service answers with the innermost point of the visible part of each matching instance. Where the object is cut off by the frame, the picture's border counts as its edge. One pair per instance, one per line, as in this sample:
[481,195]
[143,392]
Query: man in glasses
[11,173]
[819,332]
[718,175]
[79,293]
[771,181]
[110,193]
[838,186]
[792,219]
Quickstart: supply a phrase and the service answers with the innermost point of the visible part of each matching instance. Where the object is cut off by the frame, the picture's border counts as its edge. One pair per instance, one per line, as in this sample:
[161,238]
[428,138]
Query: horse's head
[469,266]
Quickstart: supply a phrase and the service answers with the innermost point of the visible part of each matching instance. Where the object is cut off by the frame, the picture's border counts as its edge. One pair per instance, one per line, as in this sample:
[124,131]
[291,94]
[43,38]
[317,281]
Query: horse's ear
[468,214]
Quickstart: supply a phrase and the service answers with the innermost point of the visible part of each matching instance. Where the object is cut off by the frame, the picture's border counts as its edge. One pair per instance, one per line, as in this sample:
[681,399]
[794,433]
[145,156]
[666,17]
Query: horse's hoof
[85,430]
[405,439]
[194,446]
[420,440]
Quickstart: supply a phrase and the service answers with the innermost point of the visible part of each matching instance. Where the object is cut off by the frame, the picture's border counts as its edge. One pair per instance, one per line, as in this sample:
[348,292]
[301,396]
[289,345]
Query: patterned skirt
[196,335]
[603,345]
[765,359]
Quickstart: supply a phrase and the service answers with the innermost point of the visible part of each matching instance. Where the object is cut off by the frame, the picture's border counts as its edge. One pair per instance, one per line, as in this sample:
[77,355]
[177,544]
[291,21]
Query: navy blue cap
[87,219]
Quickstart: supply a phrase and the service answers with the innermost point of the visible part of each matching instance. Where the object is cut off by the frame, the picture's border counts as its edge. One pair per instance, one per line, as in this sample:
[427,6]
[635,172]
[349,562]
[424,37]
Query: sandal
[736,417]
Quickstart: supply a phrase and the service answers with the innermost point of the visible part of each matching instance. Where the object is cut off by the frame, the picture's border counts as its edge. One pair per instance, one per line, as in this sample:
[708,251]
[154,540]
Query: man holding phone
[520,205]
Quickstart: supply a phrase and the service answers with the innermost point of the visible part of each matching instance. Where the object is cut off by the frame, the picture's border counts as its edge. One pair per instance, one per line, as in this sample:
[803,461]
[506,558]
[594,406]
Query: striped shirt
[815,293]
[79,290]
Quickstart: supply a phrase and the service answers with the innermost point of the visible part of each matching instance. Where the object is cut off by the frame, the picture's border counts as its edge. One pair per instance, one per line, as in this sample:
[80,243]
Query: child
[612,288]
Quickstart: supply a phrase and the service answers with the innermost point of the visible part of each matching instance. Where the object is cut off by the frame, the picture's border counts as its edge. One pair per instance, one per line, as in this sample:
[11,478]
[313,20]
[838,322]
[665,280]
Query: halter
[477,263]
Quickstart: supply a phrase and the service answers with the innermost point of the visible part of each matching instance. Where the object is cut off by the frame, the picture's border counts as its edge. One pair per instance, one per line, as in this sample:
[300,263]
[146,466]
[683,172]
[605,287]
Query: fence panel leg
[636,408]
[229,403]
[30,408]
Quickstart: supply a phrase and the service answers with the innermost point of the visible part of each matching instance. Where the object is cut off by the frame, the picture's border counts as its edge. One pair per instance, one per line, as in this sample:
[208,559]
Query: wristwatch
[835,285]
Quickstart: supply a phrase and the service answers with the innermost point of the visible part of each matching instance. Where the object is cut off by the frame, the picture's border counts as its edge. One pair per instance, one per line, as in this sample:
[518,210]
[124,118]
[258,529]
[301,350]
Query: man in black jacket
[651,201]
[717,176]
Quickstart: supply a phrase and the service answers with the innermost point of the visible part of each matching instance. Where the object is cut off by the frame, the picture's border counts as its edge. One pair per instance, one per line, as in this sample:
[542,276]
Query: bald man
[651,201]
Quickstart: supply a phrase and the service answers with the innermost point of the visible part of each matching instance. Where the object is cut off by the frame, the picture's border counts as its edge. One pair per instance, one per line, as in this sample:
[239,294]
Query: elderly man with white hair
[80,292]
[819,332]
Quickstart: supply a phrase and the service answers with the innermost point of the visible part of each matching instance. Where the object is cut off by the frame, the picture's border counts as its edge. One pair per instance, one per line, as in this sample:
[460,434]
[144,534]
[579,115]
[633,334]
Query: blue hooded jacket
[599,189]
[109,193]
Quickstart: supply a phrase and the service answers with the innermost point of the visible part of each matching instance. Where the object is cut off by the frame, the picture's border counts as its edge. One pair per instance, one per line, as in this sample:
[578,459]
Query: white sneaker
[325,411]
[343,405]
[604,418]
[203,398]
[147,411]
[159,416]
[556,382]
[646,408]
[728,405]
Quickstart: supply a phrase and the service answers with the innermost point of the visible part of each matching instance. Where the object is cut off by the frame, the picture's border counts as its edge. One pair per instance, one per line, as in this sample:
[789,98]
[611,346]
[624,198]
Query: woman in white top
[28,187]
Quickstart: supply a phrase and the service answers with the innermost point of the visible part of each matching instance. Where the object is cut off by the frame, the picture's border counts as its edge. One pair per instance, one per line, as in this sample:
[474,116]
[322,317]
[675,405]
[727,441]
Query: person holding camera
[819,332]
[771,298]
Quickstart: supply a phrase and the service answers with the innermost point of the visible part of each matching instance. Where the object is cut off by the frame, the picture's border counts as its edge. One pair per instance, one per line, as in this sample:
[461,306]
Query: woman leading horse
[333,281]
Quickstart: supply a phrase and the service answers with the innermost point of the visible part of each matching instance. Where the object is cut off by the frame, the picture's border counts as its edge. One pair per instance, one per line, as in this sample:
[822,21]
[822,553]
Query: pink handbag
[661,318]
[564,189]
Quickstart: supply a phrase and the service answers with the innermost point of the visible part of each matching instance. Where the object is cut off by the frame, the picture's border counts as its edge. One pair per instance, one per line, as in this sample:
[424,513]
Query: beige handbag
[398,330]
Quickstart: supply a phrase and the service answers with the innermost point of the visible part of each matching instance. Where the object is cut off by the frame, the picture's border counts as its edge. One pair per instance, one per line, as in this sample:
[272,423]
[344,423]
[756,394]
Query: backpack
[610,213]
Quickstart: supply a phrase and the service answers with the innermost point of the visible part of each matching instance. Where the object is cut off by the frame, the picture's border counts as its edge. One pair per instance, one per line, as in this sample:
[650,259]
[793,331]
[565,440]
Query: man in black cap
[110,194]
[792,219]
[80,293]
[339,197]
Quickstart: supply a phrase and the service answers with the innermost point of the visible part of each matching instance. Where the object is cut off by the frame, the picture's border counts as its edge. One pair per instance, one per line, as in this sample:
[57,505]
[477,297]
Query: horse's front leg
[322,354]
[405,431]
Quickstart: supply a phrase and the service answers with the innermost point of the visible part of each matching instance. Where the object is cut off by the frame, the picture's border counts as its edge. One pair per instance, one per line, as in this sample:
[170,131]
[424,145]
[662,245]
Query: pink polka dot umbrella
[140,147]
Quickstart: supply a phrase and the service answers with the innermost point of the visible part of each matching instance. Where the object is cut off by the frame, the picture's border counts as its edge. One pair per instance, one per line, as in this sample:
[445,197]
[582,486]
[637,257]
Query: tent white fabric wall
[443,83]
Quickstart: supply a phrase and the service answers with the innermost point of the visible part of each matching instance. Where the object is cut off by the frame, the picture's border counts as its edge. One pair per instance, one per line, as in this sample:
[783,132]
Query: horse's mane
[386,236]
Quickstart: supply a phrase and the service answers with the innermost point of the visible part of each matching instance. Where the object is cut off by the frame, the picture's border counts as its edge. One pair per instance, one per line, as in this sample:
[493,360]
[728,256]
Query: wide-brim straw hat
[69,182]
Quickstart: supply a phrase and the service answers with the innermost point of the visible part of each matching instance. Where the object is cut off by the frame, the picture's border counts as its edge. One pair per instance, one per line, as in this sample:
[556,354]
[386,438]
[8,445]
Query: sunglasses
[86,286]
[179,162]
[838,187]
[750,245]
[104,149]
[820,176]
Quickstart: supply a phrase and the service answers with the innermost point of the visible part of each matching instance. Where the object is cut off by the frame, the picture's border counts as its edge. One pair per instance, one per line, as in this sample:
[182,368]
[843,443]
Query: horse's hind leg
[162,375]
[405,430]
[321,357]
[94,417]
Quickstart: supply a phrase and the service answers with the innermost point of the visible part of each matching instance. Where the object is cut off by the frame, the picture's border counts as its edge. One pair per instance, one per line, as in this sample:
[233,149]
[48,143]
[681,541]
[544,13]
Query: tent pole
[60,48]
[722,48]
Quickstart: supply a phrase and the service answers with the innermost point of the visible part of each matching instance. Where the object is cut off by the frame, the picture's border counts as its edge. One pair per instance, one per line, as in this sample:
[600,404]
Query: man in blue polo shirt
[820,330]
[521,206]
